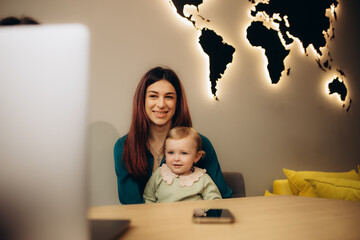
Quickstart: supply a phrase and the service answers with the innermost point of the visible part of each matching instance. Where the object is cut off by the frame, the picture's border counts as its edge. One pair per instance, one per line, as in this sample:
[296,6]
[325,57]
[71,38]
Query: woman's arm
[211,164]
[128,188]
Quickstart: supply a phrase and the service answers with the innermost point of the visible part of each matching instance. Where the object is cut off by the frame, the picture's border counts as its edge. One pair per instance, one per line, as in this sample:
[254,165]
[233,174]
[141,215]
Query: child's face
[181,154]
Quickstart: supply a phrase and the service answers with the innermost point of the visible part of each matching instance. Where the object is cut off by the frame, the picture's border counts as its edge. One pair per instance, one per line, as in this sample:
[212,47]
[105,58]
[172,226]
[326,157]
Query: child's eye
[170,152]
[184,153]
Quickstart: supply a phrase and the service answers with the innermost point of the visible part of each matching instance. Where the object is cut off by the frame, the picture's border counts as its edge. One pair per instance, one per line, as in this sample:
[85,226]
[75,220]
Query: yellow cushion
[281,187]
[336,188]
[267,193]
[299,186]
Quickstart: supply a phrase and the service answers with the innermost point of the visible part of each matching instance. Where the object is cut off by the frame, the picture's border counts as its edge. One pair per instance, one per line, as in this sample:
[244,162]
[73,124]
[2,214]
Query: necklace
[158,159]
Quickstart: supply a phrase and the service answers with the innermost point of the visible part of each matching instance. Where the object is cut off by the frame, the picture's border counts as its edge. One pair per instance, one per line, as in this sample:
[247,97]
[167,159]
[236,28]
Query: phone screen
[212,215]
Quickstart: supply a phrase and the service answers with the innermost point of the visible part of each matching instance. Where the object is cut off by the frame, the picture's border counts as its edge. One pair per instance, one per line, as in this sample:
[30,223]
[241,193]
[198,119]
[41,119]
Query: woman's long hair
[136,143]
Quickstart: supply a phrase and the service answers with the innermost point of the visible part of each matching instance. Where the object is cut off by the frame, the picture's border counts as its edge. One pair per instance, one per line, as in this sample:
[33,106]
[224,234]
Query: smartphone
[213,215]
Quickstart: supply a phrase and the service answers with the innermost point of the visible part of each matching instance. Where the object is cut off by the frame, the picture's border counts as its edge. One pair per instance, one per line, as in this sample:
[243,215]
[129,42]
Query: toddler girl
[178,179]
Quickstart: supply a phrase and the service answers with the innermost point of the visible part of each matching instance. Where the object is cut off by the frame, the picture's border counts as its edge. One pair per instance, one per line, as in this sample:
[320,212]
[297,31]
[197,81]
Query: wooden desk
[275,217]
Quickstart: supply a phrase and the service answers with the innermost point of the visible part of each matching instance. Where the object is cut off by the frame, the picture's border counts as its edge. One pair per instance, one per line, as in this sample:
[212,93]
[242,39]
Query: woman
[159,105]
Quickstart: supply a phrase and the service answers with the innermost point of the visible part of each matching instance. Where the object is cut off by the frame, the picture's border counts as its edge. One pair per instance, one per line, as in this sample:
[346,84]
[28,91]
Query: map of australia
[307,21]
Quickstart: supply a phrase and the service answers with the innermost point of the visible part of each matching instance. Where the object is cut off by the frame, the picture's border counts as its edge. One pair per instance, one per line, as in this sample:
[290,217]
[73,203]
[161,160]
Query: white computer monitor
[44,88]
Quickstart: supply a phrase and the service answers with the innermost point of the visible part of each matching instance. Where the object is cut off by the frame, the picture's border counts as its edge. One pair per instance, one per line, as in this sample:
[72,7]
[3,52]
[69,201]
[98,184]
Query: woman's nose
[161,102]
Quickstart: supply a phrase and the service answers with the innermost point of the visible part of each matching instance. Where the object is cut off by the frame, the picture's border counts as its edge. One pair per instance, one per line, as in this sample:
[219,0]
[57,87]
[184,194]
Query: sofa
[335,185]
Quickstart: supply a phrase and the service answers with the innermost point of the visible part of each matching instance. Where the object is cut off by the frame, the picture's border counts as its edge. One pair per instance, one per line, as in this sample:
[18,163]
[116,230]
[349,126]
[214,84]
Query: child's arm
[210,190]
[150,189]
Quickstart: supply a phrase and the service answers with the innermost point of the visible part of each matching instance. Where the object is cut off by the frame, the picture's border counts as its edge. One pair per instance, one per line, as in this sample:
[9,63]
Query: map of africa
[304,20]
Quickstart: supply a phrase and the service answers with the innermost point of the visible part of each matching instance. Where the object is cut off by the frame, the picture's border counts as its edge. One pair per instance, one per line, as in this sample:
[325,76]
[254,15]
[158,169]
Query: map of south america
[220,53]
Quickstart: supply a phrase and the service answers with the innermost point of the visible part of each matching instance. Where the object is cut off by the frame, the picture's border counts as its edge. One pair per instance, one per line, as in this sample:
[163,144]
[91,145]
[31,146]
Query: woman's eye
[169,97]
[152,96]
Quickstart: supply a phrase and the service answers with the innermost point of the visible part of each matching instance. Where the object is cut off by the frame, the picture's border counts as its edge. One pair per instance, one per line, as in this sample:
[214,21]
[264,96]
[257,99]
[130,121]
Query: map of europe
[304,20]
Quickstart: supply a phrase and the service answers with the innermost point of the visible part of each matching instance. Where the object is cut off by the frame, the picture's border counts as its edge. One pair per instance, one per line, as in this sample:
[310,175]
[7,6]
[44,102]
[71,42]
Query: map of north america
[306,21]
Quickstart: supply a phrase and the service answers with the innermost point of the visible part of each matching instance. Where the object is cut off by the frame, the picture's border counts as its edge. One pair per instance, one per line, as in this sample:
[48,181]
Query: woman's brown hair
[136,143]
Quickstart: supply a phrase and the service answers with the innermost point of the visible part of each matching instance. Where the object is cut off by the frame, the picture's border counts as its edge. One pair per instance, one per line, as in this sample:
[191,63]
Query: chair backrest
[235,181]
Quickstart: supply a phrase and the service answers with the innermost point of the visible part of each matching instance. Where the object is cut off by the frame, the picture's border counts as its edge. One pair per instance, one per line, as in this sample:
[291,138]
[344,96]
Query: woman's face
[160,102]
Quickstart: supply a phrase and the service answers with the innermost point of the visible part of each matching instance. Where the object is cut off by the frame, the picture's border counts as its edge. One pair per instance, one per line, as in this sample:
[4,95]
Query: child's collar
[188,180]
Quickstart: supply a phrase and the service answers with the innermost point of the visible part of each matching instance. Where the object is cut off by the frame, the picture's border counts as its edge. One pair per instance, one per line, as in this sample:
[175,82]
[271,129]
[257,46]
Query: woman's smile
[160,114]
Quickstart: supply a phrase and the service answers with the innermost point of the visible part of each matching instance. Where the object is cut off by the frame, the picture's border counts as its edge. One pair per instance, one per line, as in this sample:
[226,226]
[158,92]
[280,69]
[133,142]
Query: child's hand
[198,212]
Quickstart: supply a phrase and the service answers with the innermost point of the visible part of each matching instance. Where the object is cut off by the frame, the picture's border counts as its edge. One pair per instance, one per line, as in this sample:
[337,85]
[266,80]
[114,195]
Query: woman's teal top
[131,190]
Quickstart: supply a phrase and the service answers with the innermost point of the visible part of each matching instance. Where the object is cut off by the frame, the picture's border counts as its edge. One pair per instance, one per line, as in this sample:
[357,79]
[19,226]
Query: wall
[256,128]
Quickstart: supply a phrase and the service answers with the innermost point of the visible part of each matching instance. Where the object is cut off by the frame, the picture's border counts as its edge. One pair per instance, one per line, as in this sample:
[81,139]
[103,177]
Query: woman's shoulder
[120,141]
[118,151]
[206,143]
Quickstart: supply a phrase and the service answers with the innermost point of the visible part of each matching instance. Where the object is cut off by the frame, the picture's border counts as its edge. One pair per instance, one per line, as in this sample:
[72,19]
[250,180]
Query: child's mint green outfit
[166,186]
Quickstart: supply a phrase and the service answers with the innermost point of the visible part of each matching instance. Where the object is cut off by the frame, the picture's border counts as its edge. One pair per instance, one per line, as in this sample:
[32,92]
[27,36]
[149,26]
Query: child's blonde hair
[183,132]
